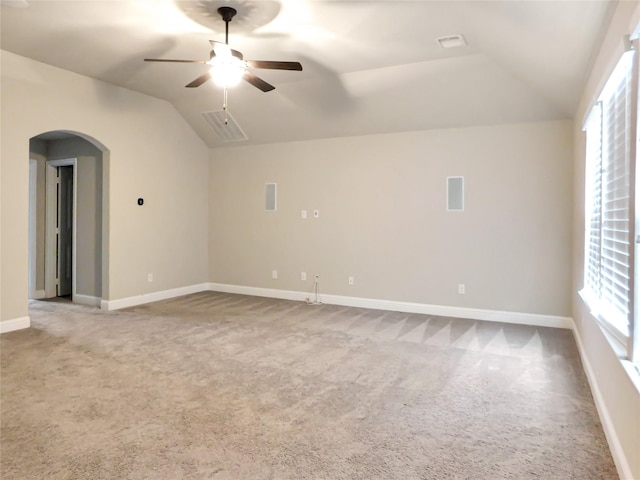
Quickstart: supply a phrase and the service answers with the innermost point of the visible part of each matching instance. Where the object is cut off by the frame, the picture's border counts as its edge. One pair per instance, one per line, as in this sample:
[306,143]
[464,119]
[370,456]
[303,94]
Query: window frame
[599,299]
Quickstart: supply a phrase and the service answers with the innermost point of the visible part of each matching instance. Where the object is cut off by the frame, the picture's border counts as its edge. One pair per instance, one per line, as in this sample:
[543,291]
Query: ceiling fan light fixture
[227,66]
[222,50]
[227,72]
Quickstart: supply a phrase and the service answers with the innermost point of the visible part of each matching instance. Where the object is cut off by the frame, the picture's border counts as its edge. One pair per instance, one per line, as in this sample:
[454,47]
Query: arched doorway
[67,227]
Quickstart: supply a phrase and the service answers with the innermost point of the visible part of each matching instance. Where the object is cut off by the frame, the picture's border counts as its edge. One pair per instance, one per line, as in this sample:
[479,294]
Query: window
[609,274]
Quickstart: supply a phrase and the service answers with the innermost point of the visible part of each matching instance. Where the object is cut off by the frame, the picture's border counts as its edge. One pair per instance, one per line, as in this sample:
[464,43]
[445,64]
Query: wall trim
[14,324]
[38,295]
[152,297]
[521,318]
[617,452]
[409,307]
[87,300]
[259,292]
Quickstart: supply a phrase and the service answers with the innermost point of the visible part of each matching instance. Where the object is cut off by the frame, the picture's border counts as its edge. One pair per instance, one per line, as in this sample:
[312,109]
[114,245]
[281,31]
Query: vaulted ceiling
[368,66]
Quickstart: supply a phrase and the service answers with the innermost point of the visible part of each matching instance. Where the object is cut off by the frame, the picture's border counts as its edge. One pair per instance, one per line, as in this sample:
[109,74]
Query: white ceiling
[369,66]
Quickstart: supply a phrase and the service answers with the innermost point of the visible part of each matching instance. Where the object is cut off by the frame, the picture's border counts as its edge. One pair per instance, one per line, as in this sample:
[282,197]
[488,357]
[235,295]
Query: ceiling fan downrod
[227,13]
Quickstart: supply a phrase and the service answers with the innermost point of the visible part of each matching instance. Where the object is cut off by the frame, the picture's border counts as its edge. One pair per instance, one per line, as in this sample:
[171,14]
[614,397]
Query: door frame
[51,173]
[33,212]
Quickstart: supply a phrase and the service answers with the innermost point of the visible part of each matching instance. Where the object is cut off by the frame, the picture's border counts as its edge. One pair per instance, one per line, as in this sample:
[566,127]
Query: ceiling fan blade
[258,82]
[199,81]
[275,65]
[224,47]
[173,61]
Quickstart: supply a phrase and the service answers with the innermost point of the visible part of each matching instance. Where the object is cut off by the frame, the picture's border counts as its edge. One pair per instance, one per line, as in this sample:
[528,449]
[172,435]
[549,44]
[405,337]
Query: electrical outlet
[461,289]
[274,274]
[303,276]
[350,280]
[150,277]
[303,214]
[316,213]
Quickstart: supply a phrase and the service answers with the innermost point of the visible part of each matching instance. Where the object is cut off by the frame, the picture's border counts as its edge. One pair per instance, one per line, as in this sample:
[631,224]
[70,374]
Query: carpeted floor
[219,386]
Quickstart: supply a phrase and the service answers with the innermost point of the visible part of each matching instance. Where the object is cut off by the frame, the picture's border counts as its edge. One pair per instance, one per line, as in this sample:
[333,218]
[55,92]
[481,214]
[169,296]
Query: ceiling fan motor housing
[227,13]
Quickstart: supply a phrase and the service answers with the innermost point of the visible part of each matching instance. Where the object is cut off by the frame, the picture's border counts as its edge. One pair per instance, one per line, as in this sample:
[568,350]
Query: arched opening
[68,217]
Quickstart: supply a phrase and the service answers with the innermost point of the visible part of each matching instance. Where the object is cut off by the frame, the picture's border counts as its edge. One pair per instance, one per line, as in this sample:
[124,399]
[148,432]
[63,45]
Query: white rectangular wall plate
[455,194]
[271,197]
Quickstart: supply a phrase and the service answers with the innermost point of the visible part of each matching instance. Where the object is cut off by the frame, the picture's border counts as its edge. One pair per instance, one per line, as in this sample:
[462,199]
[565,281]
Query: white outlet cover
[303,276]
[303,214]
[274,274]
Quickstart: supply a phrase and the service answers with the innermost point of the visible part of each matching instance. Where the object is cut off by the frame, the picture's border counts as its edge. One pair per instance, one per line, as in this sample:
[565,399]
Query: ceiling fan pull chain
[224,107]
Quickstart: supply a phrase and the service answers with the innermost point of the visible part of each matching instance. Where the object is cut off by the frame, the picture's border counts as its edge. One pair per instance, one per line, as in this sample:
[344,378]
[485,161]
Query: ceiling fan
[228,66]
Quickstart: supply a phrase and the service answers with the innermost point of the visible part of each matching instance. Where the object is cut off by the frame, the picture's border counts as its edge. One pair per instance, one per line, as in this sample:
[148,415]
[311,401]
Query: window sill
[619,348]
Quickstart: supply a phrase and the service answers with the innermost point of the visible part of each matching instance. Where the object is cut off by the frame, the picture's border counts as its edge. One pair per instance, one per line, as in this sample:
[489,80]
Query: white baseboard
[38,295]
[14,324]
[617,452]
[409,307]
[152,297]
[87,300]
[258,292]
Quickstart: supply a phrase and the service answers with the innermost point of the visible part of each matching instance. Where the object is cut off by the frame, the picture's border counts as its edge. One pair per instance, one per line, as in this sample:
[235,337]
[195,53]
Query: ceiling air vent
[225,126]
[451,41]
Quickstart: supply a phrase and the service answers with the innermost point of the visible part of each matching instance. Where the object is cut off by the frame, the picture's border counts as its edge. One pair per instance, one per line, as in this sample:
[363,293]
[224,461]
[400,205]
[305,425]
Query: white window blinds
[608,243]
[593,200]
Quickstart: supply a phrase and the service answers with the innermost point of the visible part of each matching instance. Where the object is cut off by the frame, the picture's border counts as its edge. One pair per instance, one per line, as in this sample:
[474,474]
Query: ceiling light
[226,69]
[451,41]
[227,73]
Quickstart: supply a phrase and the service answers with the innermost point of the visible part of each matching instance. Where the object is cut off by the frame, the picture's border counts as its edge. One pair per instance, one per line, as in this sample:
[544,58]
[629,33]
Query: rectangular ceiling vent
[225,126]
[451,41]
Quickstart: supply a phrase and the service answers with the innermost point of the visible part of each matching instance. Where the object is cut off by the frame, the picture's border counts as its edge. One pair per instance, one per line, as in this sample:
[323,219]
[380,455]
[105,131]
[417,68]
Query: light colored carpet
[219,386]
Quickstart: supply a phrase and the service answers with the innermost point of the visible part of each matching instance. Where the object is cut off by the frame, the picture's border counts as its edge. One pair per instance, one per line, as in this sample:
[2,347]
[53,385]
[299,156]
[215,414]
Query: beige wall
[620,400]
[38,152]
[383,217]
[152,153]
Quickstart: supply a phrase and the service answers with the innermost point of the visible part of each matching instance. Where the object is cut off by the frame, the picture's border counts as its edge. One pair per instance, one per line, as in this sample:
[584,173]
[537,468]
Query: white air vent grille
[451,41]
[225,126]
